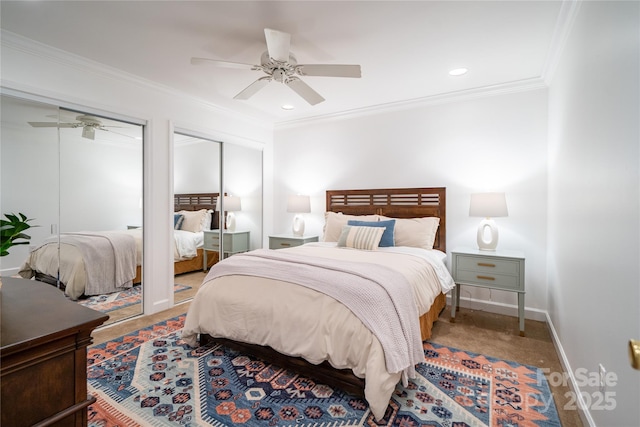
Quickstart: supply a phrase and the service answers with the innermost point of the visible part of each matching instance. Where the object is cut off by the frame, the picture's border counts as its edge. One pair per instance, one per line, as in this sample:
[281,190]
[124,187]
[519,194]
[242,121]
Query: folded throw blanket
[109,259]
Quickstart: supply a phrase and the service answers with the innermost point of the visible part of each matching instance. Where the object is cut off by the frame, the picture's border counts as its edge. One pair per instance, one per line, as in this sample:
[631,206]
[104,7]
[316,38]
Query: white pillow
[194,221]
[415,232]
[360,237]
[334,221]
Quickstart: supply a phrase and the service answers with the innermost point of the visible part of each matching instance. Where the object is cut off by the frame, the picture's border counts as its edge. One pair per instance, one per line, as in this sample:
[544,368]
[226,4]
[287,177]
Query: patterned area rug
[118,300]
[151,378]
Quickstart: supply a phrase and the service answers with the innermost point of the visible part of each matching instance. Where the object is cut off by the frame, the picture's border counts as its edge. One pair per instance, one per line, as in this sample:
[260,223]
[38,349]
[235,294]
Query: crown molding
[525,85]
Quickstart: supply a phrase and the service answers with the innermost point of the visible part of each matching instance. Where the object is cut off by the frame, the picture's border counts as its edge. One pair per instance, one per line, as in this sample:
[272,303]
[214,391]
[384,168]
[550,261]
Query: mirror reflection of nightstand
[280,241]
[233,242]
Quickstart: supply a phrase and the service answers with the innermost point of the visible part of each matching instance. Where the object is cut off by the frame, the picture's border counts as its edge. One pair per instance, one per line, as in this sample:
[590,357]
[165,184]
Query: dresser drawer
[488,265]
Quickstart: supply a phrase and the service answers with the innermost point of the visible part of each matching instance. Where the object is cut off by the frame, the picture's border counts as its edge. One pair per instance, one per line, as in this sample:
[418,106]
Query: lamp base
[230,223]
[298,225]
[487,235]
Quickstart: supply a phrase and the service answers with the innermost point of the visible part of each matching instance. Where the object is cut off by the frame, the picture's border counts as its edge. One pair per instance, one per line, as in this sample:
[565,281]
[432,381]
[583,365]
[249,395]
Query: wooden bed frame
[396,203]
[400,203]
[195,202]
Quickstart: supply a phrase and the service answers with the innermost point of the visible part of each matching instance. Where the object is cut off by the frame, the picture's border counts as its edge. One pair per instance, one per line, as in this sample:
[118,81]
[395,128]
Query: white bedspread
[299,321]
[187,244]
[359,286]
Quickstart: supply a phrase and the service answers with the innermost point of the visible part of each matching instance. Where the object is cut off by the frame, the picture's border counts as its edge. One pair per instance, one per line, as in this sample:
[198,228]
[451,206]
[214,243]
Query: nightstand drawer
[286,241]
[212,241]
[488,265]
[497,281]
[277,243]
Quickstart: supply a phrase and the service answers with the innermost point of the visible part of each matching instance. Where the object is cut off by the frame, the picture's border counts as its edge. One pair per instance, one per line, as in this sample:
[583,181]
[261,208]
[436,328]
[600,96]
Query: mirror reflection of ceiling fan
[279,64]
[89,125]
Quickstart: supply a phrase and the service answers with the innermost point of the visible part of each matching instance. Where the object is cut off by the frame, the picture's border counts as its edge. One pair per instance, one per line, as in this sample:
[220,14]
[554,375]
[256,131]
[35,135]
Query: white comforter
[299,321]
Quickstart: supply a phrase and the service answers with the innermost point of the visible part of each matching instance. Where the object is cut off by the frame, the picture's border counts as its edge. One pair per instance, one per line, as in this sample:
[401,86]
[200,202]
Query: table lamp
[231,204]
[488,206]
[298,204]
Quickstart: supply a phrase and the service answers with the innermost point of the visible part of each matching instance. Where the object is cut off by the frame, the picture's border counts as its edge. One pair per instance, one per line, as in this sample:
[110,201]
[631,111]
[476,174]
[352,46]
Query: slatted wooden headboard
[197,201]
[395,203]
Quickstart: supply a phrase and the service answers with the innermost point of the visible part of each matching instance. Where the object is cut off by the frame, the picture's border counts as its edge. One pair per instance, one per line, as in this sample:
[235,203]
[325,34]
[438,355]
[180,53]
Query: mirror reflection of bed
[88,176]
[193,213]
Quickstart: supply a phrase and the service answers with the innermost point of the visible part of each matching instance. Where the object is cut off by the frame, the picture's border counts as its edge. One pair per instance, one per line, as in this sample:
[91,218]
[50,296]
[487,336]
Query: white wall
[492,143]
[72,81]
[594,185]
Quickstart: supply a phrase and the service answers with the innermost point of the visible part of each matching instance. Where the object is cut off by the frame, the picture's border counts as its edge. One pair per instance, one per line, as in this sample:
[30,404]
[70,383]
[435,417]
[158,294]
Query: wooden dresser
[43,355]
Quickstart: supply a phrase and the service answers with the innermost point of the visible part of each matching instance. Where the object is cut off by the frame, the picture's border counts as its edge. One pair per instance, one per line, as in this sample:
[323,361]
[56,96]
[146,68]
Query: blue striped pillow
[388,238]
[356,237]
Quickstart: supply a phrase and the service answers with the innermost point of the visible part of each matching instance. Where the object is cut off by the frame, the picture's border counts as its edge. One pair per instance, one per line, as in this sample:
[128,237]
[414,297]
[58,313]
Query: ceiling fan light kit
[280,65]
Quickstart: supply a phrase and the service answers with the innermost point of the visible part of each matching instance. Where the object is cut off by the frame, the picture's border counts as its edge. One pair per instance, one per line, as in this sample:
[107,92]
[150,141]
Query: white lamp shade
[299,204]
[488,205]
[231,204]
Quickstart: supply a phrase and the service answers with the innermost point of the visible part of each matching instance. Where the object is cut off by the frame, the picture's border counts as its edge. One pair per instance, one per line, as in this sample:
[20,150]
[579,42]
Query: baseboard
[500,308]
[585,415]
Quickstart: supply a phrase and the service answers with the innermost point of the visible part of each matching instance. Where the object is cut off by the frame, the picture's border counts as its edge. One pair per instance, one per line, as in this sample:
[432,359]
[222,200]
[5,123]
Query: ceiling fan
[89,125]
[280,65]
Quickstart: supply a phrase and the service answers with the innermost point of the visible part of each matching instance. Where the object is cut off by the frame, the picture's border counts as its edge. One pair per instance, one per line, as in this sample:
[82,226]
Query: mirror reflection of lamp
[488,206]
[298,205]
[231,204]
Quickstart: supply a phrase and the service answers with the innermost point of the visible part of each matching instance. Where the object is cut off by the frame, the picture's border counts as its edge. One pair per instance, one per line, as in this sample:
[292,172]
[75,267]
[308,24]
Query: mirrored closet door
[225,181]
[197,182]
[79,176]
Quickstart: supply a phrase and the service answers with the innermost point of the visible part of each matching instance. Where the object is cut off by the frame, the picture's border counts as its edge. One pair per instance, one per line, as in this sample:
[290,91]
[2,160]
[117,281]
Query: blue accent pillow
[387,237]
[178,219]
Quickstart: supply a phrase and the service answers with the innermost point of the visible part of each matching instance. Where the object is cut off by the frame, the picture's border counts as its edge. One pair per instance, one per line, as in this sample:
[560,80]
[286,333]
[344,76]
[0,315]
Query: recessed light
[458,72]
[287,107]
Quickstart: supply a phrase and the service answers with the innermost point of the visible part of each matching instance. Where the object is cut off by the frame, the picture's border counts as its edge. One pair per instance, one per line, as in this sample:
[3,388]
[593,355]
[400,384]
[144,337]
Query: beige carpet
[475,331]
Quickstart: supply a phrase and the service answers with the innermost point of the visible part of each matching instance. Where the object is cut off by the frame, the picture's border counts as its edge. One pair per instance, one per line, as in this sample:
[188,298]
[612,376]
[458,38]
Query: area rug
[118,300]
[151,378]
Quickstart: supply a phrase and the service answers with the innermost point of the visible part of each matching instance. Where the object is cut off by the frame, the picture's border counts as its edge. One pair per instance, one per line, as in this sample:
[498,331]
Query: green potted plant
[12,232]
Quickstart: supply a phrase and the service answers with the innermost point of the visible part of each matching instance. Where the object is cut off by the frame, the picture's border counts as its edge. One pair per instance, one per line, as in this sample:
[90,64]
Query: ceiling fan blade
[278,44]
[304,90]
[254,87]
[329,70]
[225,64]
[53,125]
[89,132]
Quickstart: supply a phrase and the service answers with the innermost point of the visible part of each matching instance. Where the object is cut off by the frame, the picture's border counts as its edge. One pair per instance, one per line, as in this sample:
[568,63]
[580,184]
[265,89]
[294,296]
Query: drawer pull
[486,264]
[285,244]
[486,278]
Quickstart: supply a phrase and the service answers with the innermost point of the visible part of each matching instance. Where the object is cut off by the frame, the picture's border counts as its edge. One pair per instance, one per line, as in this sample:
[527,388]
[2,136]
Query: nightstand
[503,270]
[281,241]
[233,242]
